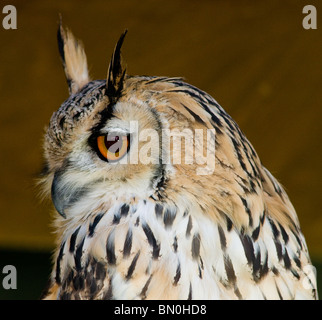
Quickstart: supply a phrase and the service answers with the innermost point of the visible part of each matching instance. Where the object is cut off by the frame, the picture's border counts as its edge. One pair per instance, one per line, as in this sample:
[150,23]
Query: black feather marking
[198,95]
[275,231]
[169,216]
[124,210]
[156,79]
[239,155]
[195,92]
[189,227]
[279,250]
[262,218]
[188,92]
[222,238]
[201,263]
[248,248]
[297,238]
[178,274]
[185,213]
[110,248]
[195,246]
[200,272]
[132,266]
[247,211]
[61,44]
[92,226]
[116,73]
[77,115]
[59,258]
[73,240]
[231,276]
[194,115]
[145,288]
[152,241]
[252,186]
[158,210]
[162,181]
[275,270]
[287,261]
[190,292]
[297,262]
[229,223]
[127,244]
[243,186]
[175,244]
[255,233]
[116,218]
[214,118]
[295,274]
[284,234]
[78,255]
[61,122]
[237,293]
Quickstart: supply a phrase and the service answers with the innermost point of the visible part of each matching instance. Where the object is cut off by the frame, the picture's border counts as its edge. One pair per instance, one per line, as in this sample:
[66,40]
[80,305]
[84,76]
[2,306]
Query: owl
[158,194]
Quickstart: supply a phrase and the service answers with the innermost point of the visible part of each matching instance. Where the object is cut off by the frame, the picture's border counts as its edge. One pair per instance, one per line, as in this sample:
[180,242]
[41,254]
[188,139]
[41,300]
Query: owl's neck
[136,244]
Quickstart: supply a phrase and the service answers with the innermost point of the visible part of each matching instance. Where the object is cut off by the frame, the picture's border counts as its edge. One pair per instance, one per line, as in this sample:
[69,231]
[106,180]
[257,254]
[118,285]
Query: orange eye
[113,147]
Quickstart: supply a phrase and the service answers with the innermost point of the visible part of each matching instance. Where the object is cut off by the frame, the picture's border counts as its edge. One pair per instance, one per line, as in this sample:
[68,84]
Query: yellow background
[253,57]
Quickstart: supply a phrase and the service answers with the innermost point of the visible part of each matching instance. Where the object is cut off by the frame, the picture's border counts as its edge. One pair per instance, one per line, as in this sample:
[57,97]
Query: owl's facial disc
[114,159]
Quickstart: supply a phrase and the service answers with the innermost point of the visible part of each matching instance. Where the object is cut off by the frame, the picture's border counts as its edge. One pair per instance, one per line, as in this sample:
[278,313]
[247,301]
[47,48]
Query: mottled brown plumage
[163,224]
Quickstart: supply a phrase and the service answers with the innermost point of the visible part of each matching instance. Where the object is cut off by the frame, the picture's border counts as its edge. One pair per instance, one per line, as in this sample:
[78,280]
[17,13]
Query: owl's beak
[63,195]
[58,198]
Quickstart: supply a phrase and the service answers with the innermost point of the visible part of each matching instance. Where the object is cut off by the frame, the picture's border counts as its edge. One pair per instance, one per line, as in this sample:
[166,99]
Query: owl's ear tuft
[73,58]
[116,72]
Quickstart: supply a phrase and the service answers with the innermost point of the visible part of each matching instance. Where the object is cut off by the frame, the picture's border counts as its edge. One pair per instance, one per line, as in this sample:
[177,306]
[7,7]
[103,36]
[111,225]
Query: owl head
[126,137]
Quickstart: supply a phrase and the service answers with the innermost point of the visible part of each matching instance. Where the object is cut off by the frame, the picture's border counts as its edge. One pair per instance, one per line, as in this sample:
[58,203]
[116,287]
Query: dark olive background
[253,57]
